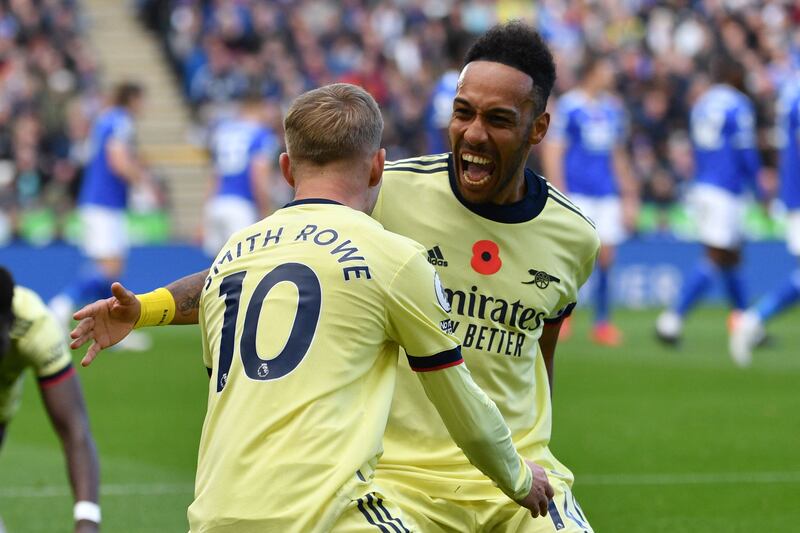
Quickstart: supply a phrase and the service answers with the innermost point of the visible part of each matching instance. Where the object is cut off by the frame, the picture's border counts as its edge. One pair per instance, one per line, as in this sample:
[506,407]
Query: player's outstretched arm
[478,428]
[105,322]
[186,293]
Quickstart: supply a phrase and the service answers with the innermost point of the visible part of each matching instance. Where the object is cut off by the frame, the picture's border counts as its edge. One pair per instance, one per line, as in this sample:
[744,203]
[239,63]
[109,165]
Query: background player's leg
[780,299]
[603,332]
[669,325]
[750,329]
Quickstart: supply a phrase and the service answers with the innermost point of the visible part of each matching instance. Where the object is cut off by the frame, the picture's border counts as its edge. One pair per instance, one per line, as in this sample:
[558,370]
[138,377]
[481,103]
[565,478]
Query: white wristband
[87,511]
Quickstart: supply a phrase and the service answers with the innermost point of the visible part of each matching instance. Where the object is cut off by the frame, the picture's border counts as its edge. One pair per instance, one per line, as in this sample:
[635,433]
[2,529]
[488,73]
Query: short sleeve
[44,347]
[122,130]
[418,317]
[569,300]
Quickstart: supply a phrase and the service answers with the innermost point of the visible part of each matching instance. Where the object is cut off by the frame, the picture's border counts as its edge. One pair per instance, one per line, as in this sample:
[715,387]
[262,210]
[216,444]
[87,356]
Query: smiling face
[491,131]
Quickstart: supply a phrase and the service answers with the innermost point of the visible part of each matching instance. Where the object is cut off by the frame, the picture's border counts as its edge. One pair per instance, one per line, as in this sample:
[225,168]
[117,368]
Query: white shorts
[224,216]
[105,232]
[606,212]
[718,216]
[793,232]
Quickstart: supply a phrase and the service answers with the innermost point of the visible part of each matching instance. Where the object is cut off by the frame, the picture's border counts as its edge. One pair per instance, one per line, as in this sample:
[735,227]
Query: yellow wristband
[158,308]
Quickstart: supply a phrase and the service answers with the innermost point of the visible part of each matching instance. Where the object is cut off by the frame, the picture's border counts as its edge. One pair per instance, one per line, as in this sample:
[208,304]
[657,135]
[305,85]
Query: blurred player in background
[112,169]
[585,154]
[512,252]
[291,443]
[440,106]
[750,329]
[722,124]
[30,337]
[243,149]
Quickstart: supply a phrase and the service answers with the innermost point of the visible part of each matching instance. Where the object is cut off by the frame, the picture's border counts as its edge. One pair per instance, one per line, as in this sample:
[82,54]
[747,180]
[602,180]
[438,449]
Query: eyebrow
[493,110]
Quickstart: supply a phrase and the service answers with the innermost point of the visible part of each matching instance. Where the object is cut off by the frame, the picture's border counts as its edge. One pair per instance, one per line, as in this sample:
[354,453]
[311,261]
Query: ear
[376,168]
[539,129]
[286,169]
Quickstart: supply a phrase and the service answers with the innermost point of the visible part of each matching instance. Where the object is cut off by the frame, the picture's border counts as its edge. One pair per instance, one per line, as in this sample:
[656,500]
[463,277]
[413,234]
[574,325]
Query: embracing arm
[64,403]
[477,427]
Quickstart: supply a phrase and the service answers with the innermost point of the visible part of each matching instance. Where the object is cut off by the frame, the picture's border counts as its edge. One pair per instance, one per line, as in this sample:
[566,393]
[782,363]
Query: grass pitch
[660,440]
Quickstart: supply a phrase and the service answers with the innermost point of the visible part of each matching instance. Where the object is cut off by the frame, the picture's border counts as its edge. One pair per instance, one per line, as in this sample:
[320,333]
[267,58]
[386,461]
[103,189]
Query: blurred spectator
[48,84]
[402,52]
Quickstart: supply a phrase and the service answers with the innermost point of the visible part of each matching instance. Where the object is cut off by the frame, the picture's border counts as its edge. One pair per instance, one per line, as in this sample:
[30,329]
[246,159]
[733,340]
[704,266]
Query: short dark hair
[519,46]
[126,92]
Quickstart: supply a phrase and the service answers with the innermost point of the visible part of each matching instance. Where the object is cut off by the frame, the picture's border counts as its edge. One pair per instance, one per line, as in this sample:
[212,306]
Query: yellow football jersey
[301,318]
[507,270]
[37,342]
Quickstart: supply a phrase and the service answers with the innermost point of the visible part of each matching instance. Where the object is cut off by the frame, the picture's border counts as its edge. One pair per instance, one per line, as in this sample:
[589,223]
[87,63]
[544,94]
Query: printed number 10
[305,323]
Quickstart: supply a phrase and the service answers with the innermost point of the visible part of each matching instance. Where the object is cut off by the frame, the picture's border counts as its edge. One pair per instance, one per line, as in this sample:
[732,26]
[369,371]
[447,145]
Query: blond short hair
[335,122]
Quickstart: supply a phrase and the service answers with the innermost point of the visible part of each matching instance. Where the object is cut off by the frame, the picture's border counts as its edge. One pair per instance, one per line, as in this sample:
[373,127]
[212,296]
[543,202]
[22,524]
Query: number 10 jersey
[301,316]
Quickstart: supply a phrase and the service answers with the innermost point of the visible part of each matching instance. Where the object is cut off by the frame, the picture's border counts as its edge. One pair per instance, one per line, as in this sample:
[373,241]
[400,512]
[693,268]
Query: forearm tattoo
[186,292]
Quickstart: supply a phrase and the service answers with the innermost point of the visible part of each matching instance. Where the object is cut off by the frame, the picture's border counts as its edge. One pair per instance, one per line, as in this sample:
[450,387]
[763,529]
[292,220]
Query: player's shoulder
[571,218]
[26,304]
[571,100]
[28,309]
[415,172]
[613,102]
[421,165]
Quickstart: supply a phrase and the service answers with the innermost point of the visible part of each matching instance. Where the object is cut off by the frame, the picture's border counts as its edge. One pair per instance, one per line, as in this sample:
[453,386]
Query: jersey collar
[305,201]
[524,210]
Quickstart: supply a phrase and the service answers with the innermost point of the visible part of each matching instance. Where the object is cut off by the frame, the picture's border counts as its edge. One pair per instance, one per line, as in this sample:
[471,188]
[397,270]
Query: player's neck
[339,189]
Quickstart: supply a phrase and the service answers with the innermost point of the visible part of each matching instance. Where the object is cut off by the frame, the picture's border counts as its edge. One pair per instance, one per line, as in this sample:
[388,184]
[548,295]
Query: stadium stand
[398,50]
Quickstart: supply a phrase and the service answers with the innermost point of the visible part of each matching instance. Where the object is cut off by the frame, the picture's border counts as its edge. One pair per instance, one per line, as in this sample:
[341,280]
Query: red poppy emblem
[486,257]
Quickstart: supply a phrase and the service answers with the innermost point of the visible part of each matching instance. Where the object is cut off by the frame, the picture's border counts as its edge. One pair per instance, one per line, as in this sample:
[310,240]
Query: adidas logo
[436,258]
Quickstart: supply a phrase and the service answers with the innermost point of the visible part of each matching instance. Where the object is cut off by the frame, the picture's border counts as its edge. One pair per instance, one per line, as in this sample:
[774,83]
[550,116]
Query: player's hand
[541,492]
[86,526]
[105,322]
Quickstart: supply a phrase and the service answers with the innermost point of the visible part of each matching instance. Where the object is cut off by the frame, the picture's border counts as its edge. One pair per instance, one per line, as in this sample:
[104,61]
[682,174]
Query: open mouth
[476,170]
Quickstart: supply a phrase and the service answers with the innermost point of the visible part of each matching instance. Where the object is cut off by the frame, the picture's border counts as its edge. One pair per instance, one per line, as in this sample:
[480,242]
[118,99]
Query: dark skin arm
[67,411]
[106,322]
[547,343]
[186,292]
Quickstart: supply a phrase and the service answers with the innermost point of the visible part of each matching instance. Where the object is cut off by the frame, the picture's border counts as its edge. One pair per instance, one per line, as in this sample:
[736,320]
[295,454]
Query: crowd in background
[48,93]
[398,50]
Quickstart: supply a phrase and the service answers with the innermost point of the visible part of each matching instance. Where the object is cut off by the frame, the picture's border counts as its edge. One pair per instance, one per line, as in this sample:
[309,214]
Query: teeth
[471,158]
